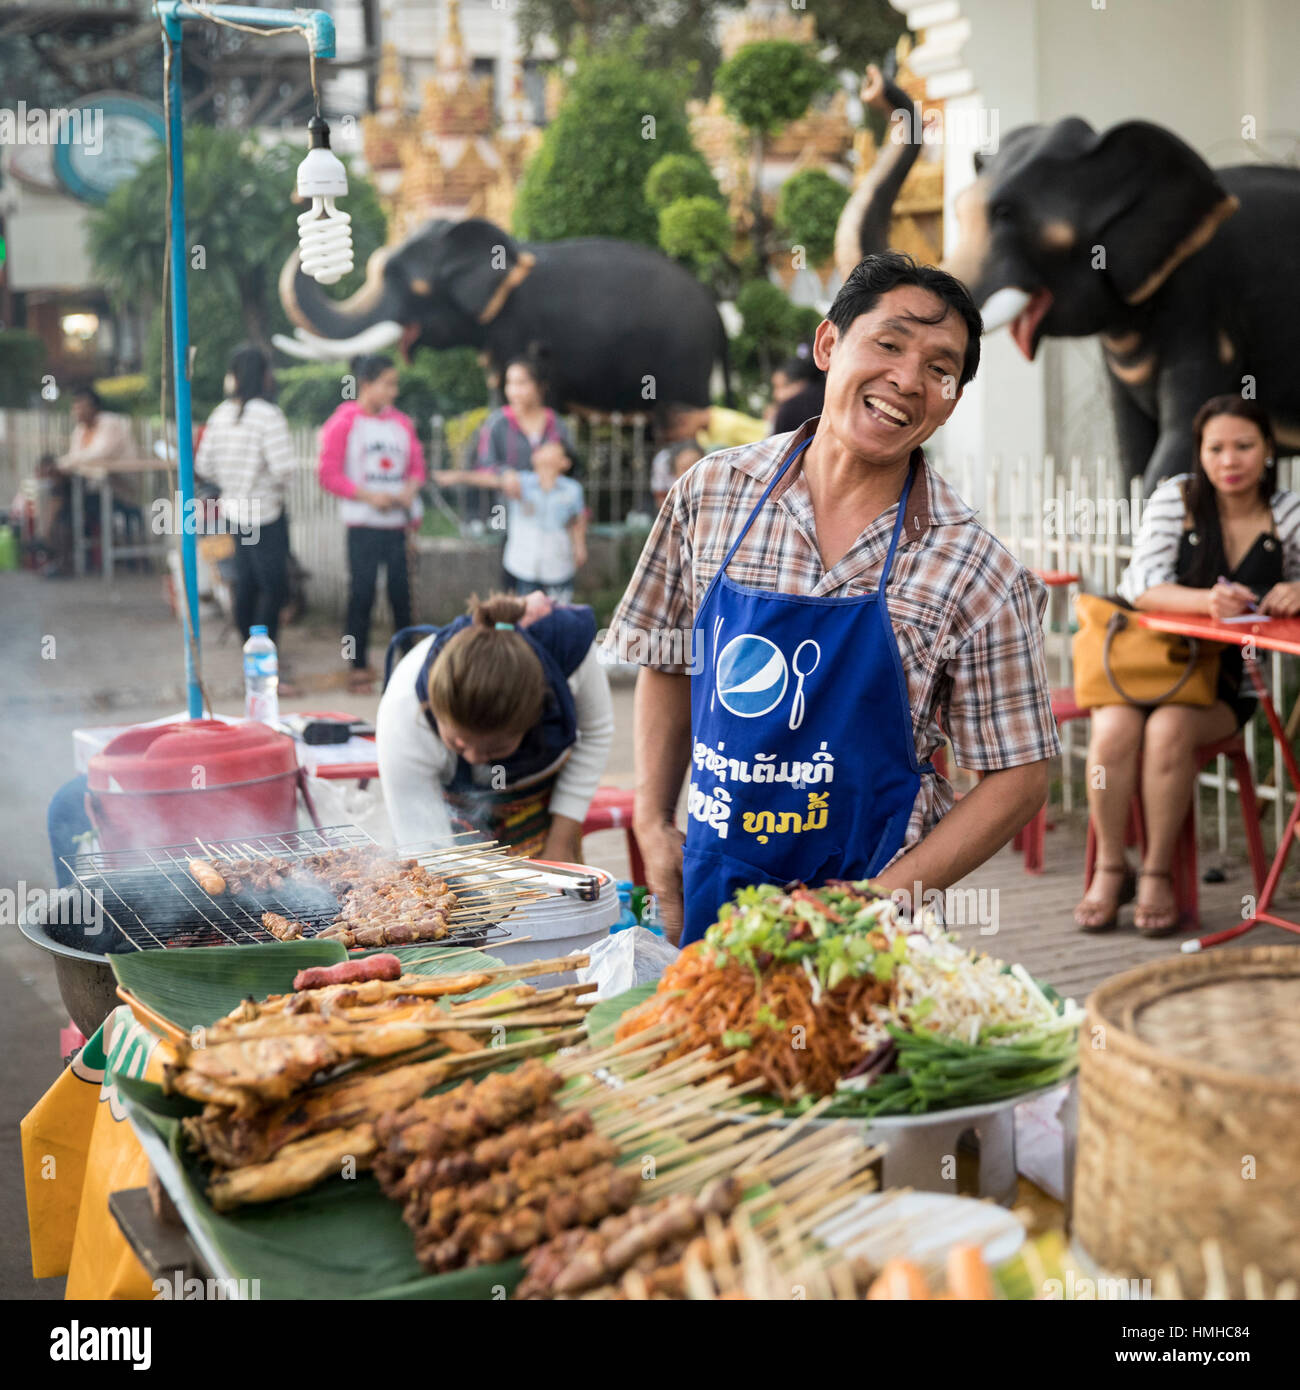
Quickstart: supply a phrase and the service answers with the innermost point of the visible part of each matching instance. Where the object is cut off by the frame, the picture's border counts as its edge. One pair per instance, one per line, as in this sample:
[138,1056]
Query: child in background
[681,449]
[371,458]
[546,521]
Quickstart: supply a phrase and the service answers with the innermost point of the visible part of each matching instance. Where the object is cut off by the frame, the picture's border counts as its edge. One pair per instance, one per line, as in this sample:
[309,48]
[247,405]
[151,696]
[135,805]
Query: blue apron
[803,759]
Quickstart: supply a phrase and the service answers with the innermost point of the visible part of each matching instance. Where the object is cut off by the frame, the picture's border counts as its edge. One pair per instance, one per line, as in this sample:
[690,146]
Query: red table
[1273,634]
[1057,579]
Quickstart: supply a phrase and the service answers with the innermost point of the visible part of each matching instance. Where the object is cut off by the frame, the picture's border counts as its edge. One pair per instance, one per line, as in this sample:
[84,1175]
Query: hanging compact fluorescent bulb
[324,233]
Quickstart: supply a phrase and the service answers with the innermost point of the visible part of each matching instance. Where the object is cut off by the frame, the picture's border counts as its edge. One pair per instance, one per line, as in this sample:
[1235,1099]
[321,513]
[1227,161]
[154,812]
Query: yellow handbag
[1119,662]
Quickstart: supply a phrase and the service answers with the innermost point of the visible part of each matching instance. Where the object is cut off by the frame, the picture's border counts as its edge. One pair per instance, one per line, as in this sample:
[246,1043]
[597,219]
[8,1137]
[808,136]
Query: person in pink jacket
[370,457]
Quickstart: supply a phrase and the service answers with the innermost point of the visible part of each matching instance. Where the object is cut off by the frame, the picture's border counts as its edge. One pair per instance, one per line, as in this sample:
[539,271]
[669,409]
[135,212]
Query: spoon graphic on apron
[797,705]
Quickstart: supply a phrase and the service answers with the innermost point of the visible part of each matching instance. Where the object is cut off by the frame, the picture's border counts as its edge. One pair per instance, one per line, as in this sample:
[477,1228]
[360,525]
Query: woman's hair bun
[496,608]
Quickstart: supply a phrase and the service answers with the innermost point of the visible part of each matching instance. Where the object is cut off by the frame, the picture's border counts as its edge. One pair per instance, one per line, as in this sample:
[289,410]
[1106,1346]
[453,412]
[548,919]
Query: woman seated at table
[1215,541]
[500,722]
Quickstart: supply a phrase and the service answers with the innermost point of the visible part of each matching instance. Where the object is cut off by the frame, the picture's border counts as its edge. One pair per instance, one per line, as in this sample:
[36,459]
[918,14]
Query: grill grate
[150,897]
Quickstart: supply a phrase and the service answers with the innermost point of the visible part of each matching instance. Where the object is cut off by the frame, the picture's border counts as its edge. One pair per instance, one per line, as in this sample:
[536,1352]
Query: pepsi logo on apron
[751,677]
[803,757]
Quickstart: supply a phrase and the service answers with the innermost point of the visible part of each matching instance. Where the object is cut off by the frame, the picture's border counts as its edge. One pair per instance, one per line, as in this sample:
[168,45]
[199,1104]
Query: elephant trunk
[367,321]
[863,227]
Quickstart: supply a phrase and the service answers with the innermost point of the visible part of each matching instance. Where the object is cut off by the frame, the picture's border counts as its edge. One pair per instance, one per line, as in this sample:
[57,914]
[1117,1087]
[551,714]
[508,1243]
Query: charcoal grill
[151,900]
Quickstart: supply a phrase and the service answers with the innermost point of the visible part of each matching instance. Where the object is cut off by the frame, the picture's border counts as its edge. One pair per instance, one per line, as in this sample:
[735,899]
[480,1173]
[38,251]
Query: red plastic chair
[611,809]
[1033,838]
[1183,868]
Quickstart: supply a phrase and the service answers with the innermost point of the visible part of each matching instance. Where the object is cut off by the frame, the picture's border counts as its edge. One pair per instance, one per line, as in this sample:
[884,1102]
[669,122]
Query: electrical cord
[169,327]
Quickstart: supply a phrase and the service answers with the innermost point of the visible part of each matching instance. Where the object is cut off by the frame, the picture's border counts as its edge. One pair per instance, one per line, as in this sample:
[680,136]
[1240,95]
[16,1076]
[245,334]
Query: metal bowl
[86,981]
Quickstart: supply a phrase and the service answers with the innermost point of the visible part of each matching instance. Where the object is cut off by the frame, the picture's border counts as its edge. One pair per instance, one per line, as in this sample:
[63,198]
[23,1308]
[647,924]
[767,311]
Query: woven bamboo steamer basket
[1189,1117]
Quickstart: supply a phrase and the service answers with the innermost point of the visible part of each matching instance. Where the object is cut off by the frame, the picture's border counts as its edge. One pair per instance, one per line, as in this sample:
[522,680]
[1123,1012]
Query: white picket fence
[1076,517]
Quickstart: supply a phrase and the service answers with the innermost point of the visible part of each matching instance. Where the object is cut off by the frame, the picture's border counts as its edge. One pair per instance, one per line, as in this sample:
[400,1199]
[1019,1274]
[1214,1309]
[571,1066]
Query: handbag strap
[1117,623]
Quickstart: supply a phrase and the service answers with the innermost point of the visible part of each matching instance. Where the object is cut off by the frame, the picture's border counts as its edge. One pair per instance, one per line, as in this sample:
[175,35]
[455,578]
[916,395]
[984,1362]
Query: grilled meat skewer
[282,928]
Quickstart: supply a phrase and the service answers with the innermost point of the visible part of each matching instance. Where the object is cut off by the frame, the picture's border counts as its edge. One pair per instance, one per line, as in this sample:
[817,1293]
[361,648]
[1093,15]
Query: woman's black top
[1259,569]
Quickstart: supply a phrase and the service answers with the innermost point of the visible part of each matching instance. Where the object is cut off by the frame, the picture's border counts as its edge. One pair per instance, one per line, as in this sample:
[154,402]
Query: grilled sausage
[206,876]
[384,967]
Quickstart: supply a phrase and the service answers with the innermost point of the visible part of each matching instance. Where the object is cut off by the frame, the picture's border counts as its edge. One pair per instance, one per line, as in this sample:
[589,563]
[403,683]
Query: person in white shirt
[500,724]
[100,441]
[546,521]
[247,453]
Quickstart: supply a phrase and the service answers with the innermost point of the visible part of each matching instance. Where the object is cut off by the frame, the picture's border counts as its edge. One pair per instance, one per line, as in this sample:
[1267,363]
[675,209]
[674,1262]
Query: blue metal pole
[173,16]
[181,372]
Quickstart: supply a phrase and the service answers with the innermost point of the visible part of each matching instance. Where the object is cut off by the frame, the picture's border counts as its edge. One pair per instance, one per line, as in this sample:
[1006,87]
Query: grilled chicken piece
[296,1168]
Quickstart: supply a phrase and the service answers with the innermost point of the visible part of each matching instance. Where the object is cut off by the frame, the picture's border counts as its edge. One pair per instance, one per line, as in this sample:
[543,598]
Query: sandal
[361,680]
[1127,892]
[1156,921]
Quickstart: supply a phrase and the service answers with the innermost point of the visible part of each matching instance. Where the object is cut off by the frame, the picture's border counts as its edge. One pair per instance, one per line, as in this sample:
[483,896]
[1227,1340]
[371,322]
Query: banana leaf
[194,988]
[604,1017]
[343,1239]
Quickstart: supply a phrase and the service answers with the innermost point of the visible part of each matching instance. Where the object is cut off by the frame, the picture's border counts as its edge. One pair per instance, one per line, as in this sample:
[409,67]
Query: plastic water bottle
[627,918]
[261,678]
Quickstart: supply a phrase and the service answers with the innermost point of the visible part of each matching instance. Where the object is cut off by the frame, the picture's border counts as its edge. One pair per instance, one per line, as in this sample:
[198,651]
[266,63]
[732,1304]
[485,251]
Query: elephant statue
[1191,276]
[621,325]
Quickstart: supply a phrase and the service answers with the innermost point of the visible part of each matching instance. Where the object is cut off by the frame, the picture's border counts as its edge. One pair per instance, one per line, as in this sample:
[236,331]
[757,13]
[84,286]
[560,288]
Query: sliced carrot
[968,1275]
[900,1280]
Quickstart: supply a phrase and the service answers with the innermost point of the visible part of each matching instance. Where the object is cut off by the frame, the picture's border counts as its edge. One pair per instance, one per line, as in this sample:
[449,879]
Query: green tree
[679,35]
[807,210]
[764,86]
[588,176]
[862,31]
[773,328]
[22,356]
[697,230]
[432,383]
[241,226]
[680,176]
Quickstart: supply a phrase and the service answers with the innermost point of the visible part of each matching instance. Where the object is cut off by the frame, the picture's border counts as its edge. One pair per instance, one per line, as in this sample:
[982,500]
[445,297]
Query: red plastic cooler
[168,784]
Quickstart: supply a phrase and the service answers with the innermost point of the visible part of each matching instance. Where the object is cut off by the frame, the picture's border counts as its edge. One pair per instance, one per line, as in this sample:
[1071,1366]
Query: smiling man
[807,611]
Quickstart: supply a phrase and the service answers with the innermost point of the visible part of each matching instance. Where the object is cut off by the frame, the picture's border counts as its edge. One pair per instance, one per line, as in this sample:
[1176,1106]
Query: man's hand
[579,551]
[661,848]
[661,736]
[381,501]
[563,842]
[977,827]
[1230,600]
[1282,600]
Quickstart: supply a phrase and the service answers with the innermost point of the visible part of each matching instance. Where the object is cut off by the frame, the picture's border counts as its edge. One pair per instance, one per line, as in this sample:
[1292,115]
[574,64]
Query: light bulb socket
[319,131]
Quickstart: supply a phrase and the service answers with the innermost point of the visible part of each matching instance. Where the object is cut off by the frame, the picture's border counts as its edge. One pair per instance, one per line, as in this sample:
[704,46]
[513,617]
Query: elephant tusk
[1002,306]
[311,348]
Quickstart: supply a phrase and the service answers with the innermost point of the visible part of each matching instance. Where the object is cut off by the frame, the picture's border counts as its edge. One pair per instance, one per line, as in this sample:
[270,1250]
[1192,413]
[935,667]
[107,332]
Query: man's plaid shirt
[966,614]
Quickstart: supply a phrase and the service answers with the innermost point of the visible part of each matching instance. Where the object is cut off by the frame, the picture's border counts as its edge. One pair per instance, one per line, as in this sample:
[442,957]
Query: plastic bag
[631,957]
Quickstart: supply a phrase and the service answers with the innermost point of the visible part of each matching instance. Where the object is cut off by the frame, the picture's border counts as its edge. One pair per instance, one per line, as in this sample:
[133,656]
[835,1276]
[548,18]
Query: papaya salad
[831,992]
